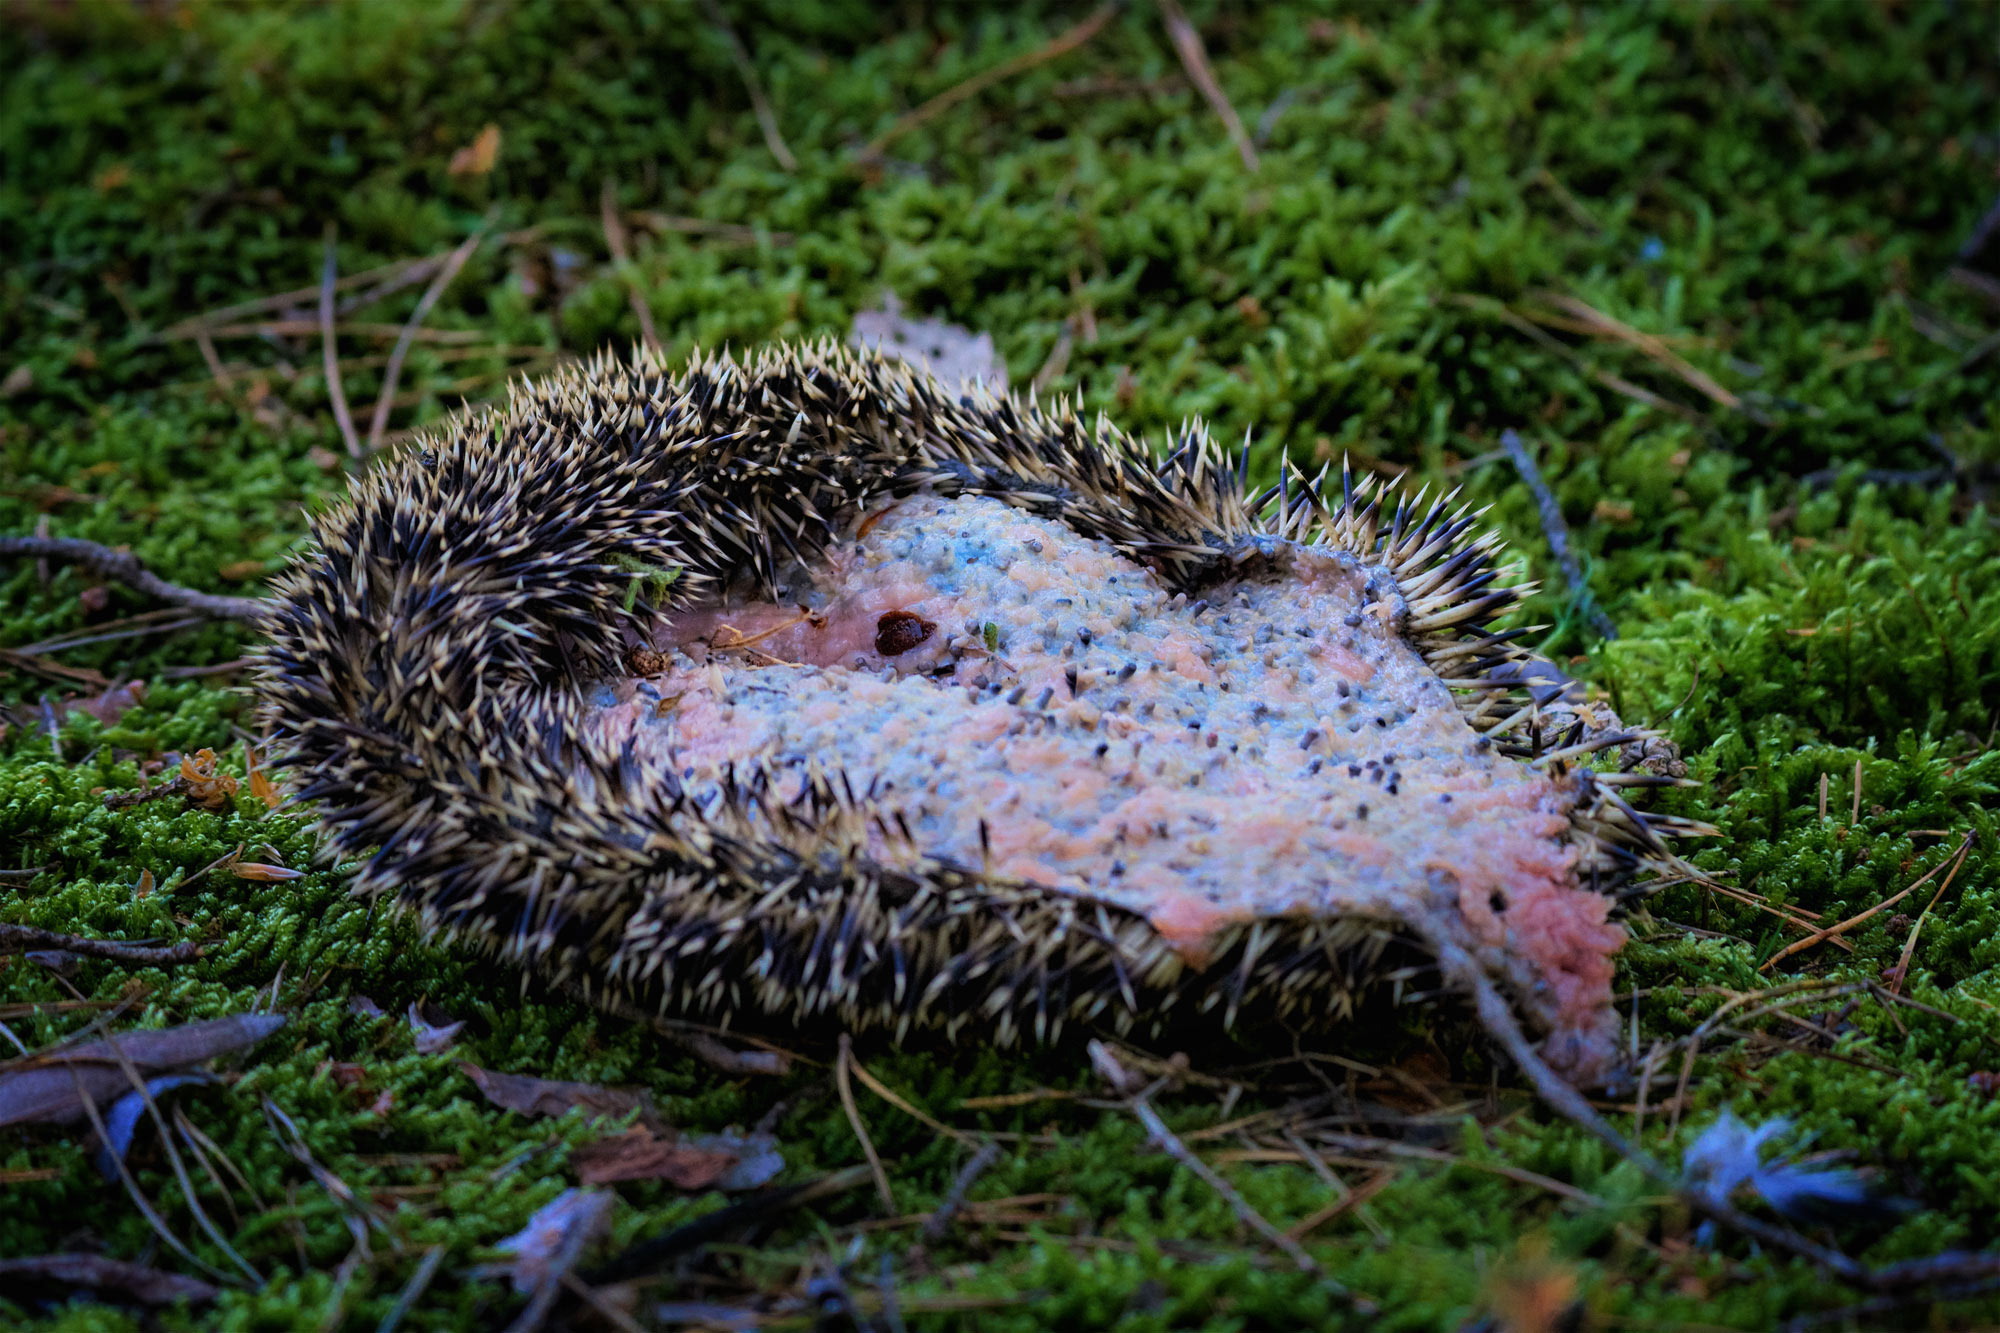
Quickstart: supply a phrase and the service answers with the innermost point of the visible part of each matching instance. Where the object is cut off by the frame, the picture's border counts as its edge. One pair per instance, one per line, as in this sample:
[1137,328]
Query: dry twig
[846,1087]
[36,665]
[1194,58]
[125,567]
[385,400]
[1650,345]
[1163,1138]
[141,955]
[393,277]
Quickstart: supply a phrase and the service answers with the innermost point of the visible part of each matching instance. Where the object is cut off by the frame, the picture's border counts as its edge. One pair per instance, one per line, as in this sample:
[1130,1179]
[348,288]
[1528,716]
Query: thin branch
[1556,1093]
[766,121]
[1166,1140]
[394,276]
[335,390]
[427,1268]
[1061,44]
[394,370]
[1194,58]
[125,567]
[142,955]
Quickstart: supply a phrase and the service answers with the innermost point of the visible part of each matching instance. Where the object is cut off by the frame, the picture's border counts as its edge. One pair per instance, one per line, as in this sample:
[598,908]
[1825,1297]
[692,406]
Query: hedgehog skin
[424,673]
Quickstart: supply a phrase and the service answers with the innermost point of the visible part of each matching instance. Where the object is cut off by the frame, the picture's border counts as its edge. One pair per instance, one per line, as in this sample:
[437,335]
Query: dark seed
[899,631]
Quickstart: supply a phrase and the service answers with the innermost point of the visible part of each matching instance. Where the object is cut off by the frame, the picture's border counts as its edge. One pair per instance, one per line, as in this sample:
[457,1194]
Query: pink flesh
[1198,829]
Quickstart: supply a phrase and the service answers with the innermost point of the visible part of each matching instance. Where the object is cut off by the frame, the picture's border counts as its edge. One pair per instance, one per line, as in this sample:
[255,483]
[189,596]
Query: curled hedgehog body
[435,667]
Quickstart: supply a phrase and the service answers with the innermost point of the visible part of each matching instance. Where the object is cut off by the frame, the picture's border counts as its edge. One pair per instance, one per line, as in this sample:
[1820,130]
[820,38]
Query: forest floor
[1722,268]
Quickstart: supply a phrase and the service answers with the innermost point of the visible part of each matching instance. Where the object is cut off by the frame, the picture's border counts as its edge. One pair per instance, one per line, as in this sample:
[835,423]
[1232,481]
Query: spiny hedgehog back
[805,689]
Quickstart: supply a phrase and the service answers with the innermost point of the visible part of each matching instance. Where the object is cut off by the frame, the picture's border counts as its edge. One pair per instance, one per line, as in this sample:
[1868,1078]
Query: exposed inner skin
[1274,749]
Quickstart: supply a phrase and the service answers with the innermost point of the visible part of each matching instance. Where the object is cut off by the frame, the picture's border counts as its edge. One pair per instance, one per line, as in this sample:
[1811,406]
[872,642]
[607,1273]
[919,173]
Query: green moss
[1779,194]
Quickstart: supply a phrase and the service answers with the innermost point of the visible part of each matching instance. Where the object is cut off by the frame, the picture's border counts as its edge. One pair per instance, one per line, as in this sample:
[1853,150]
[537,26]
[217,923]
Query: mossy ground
[1775,193]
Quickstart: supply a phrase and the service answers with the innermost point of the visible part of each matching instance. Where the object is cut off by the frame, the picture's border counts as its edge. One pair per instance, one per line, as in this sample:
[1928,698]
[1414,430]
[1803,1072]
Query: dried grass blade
[330,353]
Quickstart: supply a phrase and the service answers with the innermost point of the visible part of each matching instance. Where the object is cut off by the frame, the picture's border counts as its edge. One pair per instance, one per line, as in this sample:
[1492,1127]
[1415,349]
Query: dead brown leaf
[433,1034]
[638,1154]
[477,158]
[260,786]
[698,1162]
[550,1097]
[49,1088]
[110,705]
[207,786]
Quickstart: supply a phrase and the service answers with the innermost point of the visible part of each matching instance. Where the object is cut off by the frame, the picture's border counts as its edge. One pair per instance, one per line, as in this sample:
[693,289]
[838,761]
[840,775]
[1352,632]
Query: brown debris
[207,786]
[476,158]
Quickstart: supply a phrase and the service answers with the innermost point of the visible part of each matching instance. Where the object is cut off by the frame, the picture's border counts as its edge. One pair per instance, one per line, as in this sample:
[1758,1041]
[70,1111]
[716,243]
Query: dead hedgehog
[807,688]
